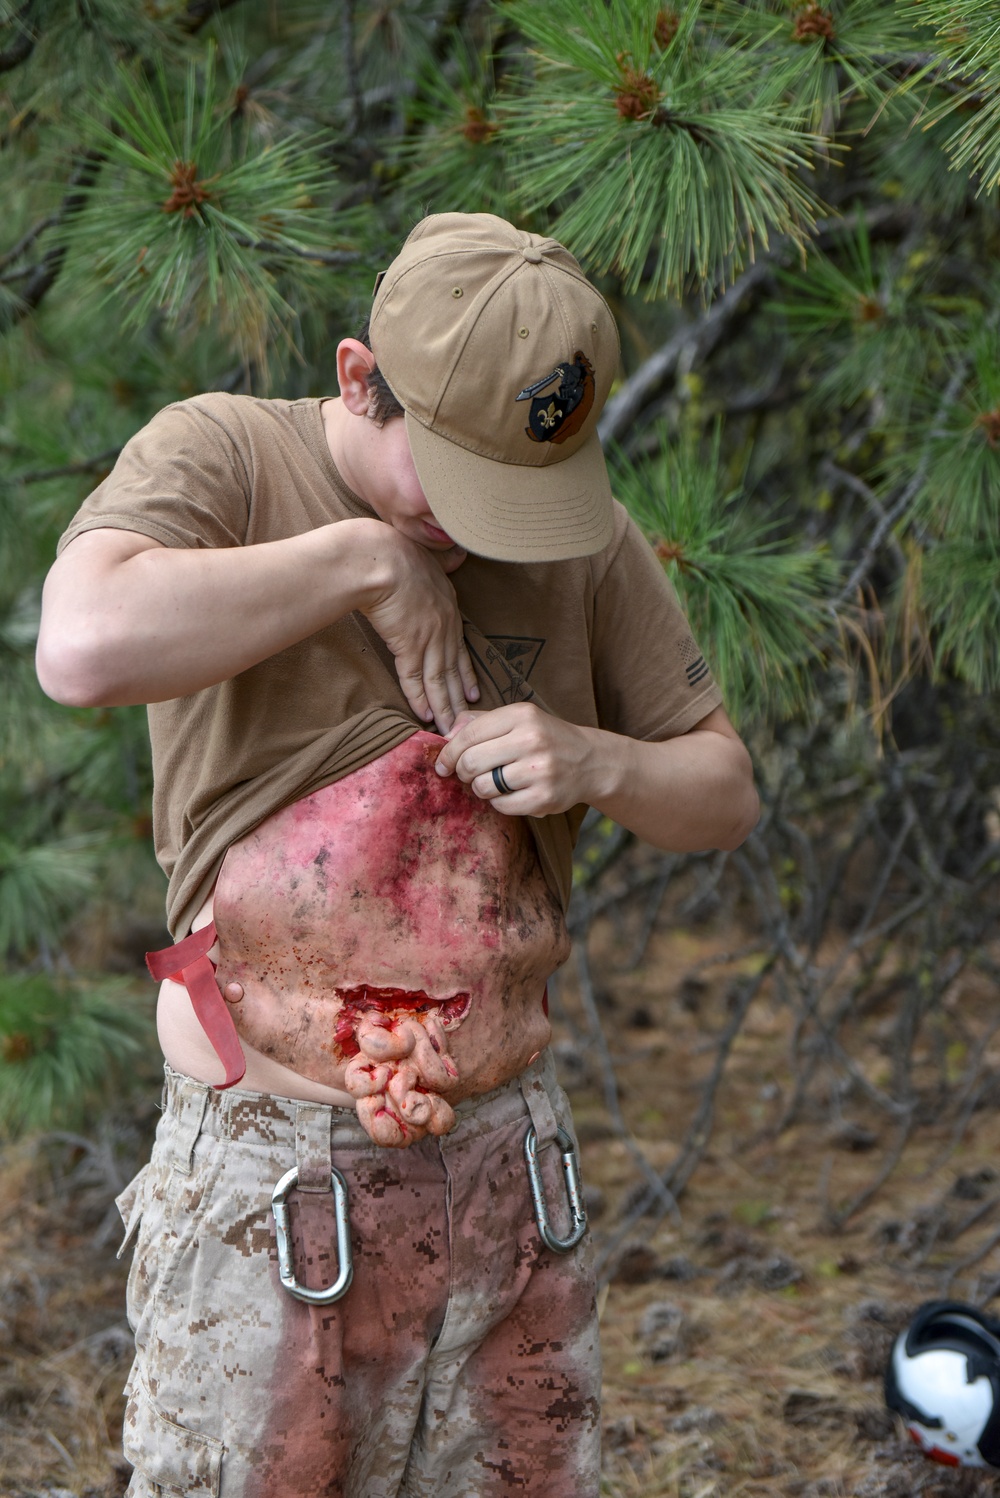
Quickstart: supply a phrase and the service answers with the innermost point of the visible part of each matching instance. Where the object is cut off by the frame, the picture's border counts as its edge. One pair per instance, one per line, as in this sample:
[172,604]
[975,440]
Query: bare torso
[392,936]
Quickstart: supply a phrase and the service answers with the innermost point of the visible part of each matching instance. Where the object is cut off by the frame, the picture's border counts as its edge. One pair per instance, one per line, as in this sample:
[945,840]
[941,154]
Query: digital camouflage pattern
[462,1362]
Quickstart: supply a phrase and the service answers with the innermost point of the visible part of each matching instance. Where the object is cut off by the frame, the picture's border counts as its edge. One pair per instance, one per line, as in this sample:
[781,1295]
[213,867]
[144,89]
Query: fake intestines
[400,1062]
[391,935]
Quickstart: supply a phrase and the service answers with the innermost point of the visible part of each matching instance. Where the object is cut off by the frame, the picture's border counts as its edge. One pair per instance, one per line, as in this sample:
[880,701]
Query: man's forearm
[683,794]
[163,622]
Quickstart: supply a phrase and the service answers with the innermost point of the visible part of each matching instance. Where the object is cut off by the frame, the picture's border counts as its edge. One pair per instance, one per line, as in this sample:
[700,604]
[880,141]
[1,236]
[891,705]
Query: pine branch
[22,47]
[11,256]
[85,465]
[63,1046]
[453,155]
[865,493]
[198,12]
[898,508]
[351,67]
[966,56]
[667,162]
[188,191]
[317,256]
[695,342]
[43,276]
[759,599]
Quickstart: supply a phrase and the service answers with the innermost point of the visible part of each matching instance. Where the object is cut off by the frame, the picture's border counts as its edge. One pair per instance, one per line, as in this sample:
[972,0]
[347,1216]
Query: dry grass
[65,1347]
[743,1345]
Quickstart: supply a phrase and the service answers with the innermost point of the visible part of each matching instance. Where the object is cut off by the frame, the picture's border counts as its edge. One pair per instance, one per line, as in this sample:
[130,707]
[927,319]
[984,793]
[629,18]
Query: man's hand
[417,615]
[683,794]
[549,764]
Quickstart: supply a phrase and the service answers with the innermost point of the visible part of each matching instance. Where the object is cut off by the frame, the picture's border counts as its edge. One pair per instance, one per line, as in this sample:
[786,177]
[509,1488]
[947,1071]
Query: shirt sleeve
[180,481]
[651,678]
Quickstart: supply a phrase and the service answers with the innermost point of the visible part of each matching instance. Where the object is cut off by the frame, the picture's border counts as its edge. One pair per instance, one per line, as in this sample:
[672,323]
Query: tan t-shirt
[600,641]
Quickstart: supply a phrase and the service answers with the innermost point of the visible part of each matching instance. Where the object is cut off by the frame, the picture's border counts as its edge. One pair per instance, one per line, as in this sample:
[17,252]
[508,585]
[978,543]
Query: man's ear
[354,364]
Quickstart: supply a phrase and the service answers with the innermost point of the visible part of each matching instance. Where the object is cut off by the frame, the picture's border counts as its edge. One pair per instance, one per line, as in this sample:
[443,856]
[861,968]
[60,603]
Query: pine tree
[792,207]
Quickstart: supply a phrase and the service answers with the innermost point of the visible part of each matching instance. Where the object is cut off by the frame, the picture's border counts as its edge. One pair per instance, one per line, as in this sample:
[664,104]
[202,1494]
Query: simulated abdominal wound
[390,936]
[399,1062]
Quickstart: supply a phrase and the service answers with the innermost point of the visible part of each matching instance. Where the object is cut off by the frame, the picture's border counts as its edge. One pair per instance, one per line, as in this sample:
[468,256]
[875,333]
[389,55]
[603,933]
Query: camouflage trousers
[462,1361]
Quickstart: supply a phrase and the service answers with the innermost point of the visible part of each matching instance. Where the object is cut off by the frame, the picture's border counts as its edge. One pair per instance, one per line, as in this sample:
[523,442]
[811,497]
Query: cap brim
[514,513]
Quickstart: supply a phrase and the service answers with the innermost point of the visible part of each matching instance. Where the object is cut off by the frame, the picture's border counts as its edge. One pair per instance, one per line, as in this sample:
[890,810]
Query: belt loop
[313,1153]
[539,1107]
[191,1101]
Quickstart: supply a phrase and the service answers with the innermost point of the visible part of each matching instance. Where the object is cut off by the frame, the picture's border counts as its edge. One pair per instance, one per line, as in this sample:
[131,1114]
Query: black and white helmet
[944,1379]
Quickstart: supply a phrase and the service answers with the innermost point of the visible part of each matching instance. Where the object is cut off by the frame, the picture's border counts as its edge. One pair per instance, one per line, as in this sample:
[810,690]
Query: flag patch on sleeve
[695,665]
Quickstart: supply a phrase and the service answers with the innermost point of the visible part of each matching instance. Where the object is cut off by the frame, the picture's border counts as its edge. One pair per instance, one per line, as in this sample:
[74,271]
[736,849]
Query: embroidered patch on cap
[555,416]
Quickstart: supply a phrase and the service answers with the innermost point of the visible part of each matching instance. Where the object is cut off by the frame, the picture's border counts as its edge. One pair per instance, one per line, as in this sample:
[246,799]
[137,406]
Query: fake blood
[391,899]
[388,1004]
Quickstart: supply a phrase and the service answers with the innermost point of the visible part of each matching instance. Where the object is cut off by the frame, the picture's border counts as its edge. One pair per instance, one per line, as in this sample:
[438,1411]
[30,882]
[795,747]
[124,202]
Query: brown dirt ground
[744,1345]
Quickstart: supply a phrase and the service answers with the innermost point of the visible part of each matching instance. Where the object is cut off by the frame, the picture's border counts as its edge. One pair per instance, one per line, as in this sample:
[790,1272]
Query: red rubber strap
[216,1021]
[170,962]
[187,962]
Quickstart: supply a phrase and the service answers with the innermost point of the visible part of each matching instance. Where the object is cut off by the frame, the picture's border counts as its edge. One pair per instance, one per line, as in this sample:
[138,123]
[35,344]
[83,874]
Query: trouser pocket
[169,1456]
[129,1205]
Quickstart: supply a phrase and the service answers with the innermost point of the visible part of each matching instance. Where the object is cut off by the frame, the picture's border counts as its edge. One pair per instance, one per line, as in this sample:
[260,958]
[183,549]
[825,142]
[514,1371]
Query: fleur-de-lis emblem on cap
[549,422]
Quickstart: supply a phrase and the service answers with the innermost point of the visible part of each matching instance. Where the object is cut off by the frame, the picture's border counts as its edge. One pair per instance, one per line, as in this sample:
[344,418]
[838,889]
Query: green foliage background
[792,208]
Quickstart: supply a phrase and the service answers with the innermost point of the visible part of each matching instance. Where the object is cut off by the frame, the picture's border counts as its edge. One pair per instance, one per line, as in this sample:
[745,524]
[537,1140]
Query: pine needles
[207,220]
[967,43]
[63,1048]
[961,593]
[754,598]
[665,164]
[456,137]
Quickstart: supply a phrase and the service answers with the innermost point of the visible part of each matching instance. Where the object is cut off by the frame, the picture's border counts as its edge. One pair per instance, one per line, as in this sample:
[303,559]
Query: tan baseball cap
[501,354]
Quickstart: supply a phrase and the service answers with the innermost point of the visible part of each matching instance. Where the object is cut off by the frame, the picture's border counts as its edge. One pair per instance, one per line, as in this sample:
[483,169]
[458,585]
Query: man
[367,910]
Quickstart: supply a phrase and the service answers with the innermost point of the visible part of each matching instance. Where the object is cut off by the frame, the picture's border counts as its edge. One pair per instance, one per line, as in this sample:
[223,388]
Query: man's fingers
[412,685]
[443,662]
[485,787]
[464,717]
[470,684]
[438,688]
[472,730]
[456,691]
[433,684]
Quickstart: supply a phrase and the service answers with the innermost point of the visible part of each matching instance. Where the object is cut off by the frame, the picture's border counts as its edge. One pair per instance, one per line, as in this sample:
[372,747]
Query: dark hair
[384,404]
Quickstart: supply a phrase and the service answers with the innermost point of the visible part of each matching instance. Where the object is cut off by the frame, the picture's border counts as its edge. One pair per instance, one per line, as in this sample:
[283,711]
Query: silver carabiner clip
[283,1234]
[574,1191]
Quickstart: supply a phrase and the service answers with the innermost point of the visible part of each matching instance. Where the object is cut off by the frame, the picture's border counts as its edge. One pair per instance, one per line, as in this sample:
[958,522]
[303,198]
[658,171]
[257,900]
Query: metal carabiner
[574,1191]
[282,1232]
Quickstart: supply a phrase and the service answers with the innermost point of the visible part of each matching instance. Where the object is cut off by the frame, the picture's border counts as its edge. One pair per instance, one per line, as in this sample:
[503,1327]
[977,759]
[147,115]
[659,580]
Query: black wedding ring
[500,782]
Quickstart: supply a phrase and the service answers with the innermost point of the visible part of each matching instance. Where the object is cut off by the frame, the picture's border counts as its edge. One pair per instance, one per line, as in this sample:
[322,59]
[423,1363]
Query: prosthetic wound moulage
[400,1063]
[392,935]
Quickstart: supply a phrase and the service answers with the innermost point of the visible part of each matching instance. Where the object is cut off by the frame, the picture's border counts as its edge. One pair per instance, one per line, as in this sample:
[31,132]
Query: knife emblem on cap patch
[560,414]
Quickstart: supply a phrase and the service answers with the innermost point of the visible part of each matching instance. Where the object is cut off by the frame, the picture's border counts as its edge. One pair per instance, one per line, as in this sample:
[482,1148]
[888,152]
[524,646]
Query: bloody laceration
[392,1004]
